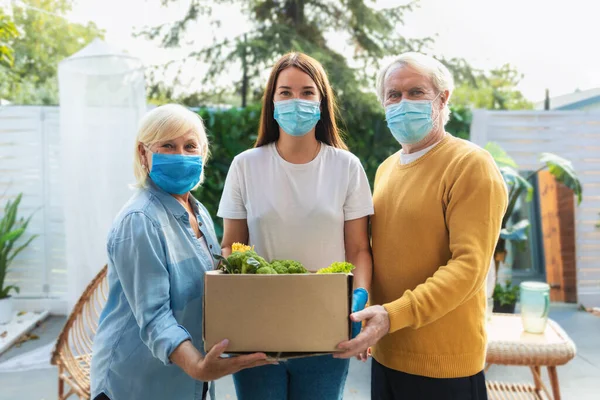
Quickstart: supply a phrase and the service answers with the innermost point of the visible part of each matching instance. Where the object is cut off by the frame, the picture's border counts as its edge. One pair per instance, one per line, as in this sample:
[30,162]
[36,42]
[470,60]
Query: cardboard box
[283,315]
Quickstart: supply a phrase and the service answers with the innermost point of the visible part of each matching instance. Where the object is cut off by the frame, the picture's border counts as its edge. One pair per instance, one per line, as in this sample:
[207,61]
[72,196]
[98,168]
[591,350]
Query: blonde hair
[167,122]
[426,66]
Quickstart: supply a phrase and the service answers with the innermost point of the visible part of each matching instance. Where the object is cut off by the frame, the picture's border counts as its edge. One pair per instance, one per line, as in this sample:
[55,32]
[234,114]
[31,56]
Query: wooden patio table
[509,344]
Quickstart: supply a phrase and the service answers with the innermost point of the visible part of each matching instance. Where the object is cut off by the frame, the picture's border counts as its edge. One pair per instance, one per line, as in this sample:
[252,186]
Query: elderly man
[438,204]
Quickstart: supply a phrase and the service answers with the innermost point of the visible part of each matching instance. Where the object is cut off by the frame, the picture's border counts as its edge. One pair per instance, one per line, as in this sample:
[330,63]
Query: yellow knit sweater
[435,227]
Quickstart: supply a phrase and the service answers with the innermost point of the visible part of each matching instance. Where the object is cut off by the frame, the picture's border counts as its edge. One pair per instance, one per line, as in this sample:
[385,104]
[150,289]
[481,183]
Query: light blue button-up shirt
[156,280]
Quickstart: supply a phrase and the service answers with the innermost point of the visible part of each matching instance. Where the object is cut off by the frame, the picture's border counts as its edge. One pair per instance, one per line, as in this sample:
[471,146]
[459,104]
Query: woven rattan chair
[73,351]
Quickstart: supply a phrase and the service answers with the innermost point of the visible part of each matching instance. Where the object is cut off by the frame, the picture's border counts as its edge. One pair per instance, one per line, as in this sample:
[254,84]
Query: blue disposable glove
[359,300]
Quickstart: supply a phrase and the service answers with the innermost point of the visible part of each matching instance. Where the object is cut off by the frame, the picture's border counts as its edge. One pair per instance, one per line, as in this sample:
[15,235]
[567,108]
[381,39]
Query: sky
[549,41]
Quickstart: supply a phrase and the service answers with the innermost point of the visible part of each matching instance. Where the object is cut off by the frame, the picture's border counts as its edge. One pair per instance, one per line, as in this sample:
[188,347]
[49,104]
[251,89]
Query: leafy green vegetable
[337,268]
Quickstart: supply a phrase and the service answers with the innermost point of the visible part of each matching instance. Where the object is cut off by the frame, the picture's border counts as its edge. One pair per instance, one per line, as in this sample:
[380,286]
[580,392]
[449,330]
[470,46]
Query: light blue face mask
[410,120]
[297,117]
[175,173]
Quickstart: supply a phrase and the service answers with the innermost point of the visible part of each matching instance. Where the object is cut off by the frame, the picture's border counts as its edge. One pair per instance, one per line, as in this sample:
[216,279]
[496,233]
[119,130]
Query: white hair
[167,122]
[427,66]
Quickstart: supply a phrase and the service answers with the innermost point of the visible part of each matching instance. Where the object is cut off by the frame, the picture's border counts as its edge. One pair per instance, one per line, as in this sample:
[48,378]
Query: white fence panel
[574,135]
[29,164]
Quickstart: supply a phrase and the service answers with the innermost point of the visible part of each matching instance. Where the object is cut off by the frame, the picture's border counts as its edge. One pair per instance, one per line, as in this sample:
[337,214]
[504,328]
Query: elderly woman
[159,248]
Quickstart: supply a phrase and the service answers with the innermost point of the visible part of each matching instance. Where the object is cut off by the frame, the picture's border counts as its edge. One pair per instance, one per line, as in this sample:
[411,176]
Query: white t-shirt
[297,211]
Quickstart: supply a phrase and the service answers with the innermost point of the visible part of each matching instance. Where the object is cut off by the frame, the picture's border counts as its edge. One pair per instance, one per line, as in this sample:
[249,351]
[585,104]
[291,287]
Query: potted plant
[11,230]
[560,168]
[505,298]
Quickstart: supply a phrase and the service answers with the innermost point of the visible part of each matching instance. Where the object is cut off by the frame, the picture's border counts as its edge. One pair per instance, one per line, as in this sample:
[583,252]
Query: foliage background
[35,35]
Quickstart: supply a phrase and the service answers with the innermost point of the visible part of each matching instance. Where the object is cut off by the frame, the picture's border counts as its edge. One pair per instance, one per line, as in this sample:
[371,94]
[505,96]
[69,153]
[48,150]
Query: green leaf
[5,291]
[11,236]
[516,232]
[13,287]
[10,214]
[500,156]
[8,237]
[507,294]
[516,183]
[223,261]
[563,172]
[21,248]
[252,261]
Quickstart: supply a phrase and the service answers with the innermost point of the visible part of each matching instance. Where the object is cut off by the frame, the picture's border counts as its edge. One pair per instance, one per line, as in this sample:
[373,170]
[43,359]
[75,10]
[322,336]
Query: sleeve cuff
[356,214]
[232,214]
[172,337]
[400,313]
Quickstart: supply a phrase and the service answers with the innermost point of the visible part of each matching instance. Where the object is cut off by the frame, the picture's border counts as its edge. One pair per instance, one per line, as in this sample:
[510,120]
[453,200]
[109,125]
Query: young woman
[299,194]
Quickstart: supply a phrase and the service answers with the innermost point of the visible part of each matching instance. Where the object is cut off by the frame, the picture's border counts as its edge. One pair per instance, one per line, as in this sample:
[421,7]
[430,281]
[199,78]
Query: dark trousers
[389,384]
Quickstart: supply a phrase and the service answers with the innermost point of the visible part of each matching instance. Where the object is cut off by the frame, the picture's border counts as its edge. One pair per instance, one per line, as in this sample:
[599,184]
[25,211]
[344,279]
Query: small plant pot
[504,308]
[6,310]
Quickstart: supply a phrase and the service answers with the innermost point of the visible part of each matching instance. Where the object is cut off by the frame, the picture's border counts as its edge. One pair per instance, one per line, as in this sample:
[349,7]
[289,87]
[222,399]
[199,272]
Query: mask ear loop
[144,163]
[437,119]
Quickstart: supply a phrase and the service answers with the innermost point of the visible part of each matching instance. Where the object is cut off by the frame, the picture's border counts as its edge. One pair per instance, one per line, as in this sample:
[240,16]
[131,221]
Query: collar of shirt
[175,207]
[408,158]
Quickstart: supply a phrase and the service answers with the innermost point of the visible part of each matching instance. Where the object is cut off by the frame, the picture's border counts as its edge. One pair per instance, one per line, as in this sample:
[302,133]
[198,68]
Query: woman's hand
[213,367]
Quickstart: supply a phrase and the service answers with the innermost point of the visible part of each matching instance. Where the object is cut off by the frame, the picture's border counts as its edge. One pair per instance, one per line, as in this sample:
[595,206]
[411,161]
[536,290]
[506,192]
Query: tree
[8,32]
[494,90]
[45,38]
[302,25]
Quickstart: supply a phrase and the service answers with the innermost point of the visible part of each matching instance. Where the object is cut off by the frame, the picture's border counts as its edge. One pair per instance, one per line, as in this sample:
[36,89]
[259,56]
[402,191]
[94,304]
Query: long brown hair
[326,130]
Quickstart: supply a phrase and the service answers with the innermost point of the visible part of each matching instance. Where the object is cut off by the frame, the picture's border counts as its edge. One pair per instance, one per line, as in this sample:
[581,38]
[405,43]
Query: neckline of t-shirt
[288,164]
[426,156]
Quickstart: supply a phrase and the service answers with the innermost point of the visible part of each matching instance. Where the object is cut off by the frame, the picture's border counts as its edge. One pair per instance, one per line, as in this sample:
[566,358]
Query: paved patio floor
[580,379]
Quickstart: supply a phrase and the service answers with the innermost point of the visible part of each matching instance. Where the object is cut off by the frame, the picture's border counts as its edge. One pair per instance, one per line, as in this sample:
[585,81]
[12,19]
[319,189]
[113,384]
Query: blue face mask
[175,173]
[297,117]
[410,120]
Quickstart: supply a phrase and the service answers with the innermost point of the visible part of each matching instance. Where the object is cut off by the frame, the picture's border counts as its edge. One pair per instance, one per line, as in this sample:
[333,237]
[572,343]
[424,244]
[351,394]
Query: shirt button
[210,246]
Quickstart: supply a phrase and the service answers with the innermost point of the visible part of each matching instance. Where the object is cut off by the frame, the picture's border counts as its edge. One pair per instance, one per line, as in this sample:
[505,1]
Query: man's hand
[213,367]
[377,325]
[364,356]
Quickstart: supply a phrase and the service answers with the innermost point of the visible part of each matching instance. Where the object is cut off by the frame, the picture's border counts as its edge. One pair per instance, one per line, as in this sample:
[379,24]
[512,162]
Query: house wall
[574,135]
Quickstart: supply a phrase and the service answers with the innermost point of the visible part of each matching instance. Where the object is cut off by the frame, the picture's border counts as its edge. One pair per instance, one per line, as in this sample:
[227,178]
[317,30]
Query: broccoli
[288,267]
[337,268]
[297,268]
[249,262]
[235,260]
[266,270]
[246,262]
[280,267]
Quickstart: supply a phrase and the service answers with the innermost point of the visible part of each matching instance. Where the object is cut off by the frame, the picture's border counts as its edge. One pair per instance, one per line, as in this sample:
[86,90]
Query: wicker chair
[73,351]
